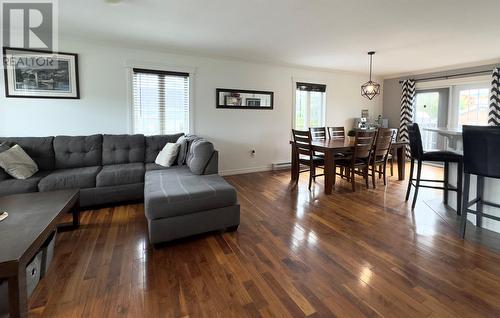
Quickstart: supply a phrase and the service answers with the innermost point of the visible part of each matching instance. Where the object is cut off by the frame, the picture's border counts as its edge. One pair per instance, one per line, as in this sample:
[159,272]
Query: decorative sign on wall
[244,99]
[40,74]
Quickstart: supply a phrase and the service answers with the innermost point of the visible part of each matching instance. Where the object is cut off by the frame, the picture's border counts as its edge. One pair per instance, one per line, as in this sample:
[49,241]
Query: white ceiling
[408,35]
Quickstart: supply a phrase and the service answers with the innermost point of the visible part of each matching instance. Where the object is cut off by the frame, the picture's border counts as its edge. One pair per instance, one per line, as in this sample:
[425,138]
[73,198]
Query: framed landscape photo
[40,74]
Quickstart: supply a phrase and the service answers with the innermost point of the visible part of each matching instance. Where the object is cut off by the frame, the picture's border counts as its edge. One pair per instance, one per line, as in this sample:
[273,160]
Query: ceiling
[408,35]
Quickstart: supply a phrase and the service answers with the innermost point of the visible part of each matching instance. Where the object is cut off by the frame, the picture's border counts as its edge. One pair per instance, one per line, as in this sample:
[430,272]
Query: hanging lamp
[370,89]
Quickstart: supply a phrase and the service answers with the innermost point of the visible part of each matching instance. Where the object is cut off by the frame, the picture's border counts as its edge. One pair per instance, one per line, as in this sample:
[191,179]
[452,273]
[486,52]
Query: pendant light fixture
[370,89]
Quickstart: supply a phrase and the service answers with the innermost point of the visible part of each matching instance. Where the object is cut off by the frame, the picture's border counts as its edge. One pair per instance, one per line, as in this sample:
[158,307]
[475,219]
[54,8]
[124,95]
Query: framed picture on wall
[244,99]
[40,74]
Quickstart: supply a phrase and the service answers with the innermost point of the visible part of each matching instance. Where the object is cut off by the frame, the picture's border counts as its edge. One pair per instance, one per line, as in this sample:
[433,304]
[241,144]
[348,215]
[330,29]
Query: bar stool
[481,158]
[418,154]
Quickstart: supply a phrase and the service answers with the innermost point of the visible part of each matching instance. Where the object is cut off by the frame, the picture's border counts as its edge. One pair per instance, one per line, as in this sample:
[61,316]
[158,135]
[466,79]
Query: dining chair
[380,155]
[360,157]
[304,155]
[336,132]
[392,153]
[481,157]
[420,156]
[318,133]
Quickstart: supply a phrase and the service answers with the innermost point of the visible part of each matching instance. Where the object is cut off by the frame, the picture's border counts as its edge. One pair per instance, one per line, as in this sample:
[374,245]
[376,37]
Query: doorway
[431,111]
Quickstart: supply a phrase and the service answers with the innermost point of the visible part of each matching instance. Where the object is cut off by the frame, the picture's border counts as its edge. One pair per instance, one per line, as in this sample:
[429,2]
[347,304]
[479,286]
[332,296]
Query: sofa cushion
[183,147]
[126,173]
[40,149]
[75,178]
[176,191]
[3,175]
[15,186]
[77,151]
[190,140]
[154,144]
[118,149]
[17,163]
[200,153]
[153,166]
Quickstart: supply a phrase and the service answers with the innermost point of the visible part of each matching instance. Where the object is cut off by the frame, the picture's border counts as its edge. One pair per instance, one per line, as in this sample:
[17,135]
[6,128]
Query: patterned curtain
[494,115]
[406,118]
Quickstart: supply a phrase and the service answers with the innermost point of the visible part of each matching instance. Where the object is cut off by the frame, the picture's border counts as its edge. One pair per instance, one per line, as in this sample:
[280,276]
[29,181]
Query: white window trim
[454,100]
[453,84]
[296,80]
[131,64]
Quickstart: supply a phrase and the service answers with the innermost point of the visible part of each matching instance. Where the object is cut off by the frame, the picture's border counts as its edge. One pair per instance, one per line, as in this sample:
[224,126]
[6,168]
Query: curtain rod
[450,76]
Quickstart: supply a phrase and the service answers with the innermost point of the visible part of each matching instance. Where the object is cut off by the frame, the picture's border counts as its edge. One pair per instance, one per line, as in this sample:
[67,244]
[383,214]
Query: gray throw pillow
[200,153]
[190,140]
[183,147]
[17,163]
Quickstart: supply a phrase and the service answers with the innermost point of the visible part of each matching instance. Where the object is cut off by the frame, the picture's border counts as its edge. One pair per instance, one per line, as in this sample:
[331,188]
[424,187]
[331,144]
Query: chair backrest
[382,144]
[482,150]
[415,141]
[302,141]
[363,143]
[318,132]
[336,132]
[394,134]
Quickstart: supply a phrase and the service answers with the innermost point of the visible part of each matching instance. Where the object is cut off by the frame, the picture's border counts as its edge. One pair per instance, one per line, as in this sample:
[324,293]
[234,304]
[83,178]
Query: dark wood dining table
[331,147]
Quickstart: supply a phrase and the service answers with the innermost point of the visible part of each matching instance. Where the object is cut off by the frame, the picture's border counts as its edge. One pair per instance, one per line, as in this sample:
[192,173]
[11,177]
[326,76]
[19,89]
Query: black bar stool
[418,154]
[481,158]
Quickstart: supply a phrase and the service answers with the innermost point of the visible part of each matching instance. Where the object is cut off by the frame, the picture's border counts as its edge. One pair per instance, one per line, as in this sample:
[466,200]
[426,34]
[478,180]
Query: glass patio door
[431,111]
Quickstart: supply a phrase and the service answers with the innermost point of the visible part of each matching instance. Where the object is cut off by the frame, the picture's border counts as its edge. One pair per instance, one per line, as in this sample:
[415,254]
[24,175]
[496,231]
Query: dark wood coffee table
[32,218]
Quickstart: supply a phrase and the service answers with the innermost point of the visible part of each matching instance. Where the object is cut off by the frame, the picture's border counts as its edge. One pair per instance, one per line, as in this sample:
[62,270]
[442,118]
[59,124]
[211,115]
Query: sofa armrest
[213,164]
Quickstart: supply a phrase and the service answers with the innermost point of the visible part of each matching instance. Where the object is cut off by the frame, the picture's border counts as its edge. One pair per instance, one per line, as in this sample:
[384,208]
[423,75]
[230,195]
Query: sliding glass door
[431,111]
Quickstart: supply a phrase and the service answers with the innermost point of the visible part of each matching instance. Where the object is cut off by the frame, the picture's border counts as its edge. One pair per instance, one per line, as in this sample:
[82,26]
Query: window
[473,106]
[160,102]
[310,106]
[426,115]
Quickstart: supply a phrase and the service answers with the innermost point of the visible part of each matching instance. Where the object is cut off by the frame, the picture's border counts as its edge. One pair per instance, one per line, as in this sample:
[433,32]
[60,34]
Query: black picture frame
[72,69]
[222,103]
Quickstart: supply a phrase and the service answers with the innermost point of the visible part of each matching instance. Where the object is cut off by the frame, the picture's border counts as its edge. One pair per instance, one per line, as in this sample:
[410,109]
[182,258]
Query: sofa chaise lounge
[118,168]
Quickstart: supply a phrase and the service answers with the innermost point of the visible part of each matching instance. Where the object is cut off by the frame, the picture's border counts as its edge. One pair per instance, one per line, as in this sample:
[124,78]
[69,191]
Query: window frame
[294,97]
[129,67]
[454,115]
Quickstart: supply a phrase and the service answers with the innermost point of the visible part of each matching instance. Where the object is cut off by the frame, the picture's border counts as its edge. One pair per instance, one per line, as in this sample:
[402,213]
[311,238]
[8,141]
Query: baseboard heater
[281,165]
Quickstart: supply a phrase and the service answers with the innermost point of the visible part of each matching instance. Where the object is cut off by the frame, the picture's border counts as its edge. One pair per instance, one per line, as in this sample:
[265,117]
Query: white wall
[103,107]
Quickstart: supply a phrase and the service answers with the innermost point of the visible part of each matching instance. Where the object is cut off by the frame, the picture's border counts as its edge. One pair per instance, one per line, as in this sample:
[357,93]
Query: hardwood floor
[296,253]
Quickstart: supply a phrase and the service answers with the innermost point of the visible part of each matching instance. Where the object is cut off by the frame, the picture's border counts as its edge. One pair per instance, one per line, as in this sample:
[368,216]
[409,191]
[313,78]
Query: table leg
[18,294]
[295,166]
[401,154]
[75,223]
[329,172]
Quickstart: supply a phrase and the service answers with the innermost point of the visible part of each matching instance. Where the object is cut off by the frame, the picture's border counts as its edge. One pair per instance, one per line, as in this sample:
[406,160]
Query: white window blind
[160,102]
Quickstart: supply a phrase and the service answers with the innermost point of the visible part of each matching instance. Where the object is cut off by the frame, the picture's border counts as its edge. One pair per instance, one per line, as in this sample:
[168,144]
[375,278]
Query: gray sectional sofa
[117,168]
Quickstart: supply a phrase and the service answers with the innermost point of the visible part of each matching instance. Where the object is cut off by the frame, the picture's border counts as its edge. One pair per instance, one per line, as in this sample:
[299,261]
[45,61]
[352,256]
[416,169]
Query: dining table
[332,147]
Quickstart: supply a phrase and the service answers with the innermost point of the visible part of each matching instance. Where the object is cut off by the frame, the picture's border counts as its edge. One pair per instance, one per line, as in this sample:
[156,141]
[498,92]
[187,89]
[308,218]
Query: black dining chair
[481,158]
[304,155]
[419,155]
